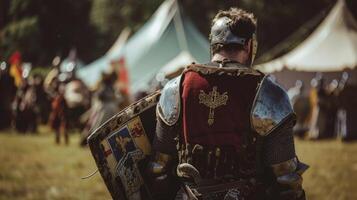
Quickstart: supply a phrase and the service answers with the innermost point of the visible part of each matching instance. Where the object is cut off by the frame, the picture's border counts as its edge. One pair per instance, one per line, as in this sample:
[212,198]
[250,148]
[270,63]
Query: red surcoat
[229,98]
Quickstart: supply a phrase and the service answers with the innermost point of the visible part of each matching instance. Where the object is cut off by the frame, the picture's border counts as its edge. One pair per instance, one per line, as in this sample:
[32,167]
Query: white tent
[179,61]
[331,47]
[165,36]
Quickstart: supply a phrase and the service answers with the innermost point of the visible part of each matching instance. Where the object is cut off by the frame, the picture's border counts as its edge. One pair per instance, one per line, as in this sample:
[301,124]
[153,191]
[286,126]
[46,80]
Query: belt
[218,191]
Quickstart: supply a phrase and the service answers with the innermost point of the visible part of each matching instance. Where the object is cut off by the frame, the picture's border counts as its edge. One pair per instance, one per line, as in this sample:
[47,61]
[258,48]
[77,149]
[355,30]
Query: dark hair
[243,25]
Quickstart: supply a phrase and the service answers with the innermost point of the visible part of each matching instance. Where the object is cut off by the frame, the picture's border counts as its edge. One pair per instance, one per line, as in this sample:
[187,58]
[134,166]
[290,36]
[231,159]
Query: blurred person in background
[301,105]
[296,91]
[314,102]
[347,109]
[25,106]
[58,119]
[105,104]
[7,93]
[331,109]
[341,114]
[16,68]
[77,97]
[51,80]
[75,94]
[42,99]
[323,101]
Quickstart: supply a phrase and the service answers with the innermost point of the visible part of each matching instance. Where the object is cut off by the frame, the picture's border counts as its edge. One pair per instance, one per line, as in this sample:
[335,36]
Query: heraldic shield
[121,148]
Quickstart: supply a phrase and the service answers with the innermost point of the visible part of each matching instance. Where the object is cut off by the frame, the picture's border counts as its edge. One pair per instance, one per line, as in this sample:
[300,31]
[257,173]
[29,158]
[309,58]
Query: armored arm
[279,156]
[273,118]
[164,160]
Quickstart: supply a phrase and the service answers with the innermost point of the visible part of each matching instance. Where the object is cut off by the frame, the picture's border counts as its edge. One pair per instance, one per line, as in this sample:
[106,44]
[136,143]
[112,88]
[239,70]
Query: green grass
[333,169]
[33,167]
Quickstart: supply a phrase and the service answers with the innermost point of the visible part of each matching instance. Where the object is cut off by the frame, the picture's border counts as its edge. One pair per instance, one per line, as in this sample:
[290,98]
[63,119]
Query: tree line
[42,29]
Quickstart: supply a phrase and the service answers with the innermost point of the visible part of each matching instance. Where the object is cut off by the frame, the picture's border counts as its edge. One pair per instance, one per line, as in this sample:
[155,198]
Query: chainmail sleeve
[165,138]
[279,145]
[164,161]
[279,155]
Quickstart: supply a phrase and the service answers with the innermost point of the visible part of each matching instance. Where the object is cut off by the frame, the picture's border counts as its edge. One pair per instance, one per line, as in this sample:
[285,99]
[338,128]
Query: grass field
[32,167]
[333,169]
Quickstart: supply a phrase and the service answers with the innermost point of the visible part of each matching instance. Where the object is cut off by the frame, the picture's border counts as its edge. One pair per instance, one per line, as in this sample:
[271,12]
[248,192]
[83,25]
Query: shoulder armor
[169,105]
[270,108]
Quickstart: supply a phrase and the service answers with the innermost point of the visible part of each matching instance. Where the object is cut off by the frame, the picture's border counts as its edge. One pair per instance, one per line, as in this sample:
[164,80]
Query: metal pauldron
[168,108]
[270,108]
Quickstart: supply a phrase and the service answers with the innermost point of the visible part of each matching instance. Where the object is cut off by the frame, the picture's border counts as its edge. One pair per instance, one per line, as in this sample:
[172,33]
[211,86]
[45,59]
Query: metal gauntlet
[289,179]
[163,184]
[158,167]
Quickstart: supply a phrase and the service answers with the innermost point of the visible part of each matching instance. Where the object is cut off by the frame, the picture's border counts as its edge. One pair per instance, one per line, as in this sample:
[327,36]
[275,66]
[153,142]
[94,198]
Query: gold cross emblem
[212,100]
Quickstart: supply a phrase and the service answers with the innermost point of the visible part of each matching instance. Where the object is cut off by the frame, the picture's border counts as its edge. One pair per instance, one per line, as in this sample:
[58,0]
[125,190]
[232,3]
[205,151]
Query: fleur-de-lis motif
[212,100]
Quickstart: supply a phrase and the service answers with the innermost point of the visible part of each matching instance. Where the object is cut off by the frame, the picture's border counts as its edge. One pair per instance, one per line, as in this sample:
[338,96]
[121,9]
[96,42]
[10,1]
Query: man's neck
[239,57]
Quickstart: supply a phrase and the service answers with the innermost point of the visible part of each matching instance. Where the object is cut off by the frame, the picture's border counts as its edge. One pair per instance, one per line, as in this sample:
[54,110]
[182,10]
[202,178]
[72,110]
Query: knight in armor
[224,129]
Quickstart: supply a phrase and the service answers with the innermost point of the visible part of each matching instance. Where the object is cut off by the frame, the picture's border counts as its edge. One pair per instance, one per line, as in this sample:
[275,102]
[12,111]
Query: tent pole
[181,36]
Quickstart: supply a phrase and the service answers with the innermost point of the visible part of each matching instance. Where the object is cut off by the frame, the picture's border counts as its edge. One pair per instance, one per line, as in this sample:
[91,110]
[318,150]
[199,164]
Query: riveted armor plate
[270,108]
[168,108]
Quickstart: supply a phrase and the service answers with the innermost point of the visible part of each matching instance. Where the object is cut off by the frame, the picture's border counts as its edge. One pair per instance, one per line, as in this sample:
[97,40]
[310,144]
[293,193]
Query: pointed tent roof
[161,39]
[331,47]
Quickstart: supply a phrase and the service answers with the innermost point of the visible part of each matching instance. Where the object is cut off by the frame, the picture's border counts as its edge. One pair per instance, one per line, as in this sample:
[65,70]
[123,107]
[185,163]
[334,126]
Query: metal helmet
[221,33]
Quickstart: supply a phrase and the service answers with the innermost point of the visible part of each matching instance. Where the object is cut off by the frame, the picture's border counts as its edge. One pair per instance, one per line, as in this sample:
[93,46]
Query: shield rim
[116,122]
